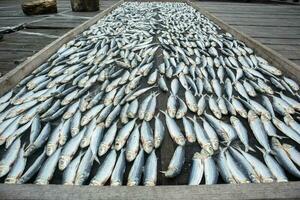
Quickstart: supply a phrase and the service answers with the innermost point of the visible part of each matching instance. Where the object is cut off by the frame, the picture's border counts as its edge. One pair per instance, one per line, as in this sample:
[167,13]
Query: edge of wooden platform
[288,190]
[14,76]
[273,57]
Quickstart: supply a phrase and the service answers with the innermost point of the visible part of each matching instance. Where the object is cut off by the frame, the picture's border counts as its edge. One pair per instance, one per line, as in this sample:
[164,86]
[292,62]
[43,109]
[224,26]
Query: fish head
[208,148]
[63,162]
[171,172]
[130,155]
[41,181]
[96,183]
[132,183]
[3,170]
[148,146]
[275,142]
[11,180]
[287,146]
[50,148]
[252,115]
[119,144]
[149,183]
[215,145]
[103,149]
[180,141]
[79,180]
[74,131]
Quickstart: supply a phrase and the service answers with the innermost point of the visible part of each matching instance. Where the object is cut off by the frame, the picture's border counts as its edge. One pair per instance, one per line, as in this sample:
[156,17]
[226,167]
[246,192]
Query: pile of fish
[108,97]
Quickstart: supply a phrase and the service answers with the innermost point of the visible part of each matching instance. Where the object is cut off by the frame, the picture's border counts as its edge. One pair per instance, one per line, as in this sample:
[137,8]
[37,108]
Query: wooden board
[245,191]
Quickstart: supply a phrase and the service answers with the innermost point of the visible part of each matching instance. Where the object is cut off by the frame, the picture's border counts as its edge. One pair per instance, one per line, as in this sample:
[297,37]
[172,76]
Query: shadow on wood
[84,5]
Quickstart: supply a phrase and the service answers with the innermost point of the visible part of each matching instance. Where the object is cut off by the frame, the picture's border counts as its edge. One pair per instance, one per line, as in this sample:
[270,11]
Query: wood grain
[245,191]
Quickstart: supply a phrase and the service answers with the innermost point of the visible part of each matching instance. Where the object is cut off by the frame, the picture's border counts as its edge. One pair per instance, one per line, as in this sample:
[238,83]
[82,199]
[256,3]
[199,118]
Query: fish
[176,163]
[123,134]
[283,158]
[174,130]
[69,150]
[258,130]
[33,169]
[197,170]
[108,139]
[84,168]
[150,170]
[117,174]
[39,141]
[47,170]
[135,173]
[69,173]
[105,170]
[274,166]
[210,169]
[223,167]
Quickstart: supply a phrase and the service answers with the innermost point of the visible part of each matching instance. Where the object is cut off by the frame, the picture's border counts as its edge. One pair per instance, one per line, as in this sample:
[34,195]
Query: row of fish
[109,96]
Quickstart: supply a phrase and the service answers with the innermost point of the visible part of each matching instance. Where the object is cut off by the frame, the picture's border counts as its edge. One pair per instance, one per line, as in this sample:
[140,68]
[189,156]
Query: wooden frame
[222,191]
[288,190]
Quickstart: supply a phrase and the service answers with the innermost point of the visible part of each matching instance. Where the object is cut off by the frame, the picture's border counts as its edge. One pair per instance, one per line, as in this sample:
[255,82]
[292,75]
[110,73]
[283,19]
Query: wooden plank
[288,190]
[275,41]
[10,79]
[273,57]
[257,16]
[262,22]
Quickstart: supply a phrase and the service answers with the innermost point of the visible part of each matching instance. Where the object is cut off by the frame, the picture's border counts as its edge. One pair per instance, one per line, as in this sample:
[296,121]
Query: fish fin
[164,112]
[250,148]
[226,143]
[260,149]
[272,152]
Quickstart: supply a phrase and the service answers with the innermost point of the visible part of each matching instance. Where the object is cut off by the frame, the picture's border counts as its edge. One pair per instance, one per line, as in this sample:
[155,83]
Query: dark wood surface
[275,25]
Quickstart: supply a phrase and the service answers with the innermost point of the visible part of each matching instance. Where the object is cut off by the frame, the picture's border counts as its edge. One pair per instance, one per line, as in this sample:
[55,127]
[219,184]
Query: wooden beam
[274,58]
[288,190]
[14,76]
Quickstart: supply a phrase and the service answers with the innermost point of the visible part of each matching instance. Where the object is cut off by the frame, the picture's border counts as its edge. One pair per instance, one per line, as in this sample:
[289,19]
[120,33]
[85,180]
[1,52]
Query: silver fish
[197,170]
[118,172]
[174,130]
[176,163]
[47,170]
[33,169]
[135,173]
[69,174]
[150,172]
[108,139]
[105,170]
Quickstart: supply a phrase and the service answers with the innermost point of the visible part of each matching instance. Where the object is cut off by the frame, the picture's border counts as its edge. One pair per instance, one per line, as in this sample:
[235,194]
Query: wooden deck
[275,25]
[35,31]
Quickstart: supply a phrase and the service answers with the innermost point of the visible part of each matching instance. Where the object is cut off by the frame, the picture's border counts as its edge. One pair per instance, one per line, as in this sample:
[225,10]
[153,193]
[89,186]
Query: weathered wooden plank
[271,32]
[284,47]
[222,191]
[297,61]
[265,23]
[275,41]
[257,16]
